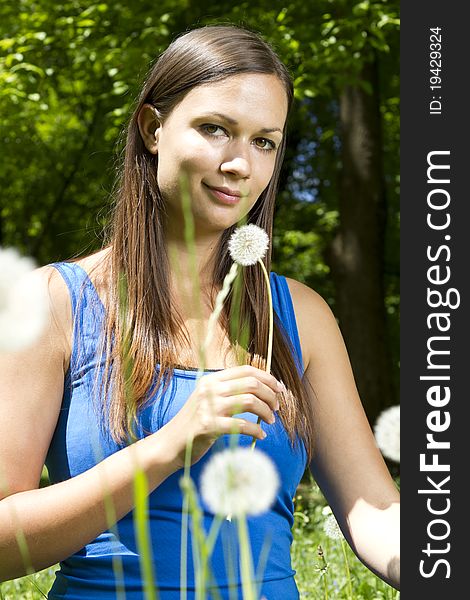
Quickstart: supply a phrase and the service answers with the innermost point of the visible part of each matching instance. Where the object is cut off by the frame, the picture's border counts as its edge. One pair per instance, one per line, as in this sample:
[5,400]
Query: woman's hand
[207,414]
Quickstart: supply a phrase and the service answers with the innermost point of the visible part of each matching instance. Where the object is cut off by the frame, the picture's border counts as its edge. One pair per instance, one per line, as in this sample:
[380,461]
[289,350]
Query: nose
[236,162]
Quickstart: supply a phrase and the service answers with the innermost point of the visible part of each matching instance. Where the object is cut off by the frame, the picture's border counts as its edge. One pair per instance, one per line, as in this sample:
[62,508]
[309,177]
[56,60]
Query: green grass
[33,587]
[326,579]
[315,580]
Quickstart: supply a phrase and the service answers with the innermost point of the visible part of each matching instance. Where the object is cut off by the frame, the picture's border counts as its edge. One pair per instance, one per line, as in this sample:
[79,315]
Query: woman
[213,110]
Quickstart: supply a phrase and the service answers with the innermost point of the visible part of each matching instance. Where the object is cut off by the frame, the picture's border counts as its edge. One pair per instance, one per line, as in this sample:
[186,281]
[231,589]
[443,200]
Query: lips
[224,194]
[225,190]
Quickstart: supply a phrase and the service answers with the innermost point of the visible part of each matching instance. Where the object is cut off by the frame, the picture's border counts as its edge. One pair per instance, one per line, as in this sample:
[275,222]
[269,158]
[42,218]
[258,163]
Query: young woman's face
[224,137]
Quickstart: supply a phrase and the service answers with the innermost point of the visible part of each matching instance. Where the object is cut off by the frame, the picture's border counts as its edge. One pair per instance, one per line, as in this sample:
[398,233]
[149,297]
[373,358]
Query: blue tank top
[79,443]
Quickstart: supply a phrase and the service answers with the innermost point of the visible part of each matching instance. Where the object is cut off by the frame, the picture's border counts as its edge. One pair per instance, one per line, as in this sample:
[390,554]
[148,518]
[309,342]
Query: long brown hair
[135,232]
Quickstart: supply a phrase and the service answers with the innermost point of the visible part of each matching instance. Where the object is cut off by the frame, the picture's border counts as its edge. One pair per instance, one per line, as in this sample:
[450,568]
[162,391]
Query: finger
[247,403]
[230,425]
[249,385]
[246,371]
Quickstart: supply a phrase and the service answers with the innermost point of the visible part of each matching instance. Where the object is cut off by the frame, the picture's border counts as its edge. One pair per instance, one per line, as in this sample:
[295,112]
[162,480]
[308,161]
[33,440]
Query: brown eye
[265,144]
[212,129]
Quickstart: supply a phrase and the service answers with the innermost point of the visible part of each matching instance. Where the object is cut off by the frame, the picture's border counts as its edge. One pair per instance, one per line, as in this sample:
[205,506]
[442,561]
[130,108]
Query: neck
[193,262]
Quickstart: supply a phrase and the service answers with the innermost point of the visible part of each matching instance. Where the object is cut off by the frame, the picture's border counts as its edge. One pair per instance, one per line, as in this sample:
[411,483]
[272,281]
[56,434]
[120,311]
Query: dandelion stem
[271,318]
[246,563]
[270,336]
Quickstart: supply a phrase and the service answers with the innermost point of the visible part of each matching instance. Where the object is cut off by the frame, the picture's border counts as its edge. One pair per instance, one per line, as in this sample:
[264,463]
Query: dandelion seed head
[248,244]
[331,528]
[238,482]
[23,301]
[387,433]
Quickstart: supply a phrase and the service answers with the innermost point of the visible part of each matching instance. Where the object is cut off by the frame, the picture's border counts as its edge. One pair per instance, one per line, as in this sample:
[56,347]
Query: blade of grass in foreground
[111,520]
[263,559]
[140,479]
[348,572]
[143,535]
[35,585]
[189,235]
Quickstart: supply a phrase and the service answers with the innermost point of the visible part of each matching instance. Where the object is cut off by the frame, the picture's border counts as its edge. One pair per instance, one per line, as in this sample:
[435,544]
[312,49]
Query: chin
[214,227]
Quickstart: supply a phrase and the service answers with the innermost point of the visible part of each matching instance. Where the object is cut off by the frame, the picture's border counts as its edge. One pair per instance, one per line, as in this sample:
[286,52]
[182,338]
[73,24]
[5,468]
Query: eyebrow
[235,122]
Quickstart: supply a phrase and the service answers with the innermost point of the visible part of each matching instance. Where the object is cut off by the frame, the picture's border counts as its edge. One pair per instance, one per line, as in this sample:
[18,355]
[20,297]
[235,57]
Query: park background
[70,72]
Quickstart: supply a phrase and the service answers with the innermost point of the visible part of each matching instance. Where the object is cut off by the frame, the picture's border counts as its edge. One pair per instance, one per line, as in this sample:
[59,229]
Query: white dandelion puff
[248,244]
[326,510]
[387,433]
[331,528]
[23,301]
[239,482]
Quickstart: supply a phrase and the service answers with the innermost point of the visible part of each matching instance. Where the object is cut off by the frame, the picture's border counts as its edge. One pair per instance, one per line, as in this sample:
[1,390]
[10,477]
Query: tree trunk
[356,255]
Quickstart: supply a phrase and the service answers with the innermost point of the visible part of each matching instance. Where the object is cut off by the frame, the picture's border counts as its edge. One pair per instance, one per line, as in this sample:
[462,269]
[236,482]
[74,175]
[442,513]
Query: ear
[149,127]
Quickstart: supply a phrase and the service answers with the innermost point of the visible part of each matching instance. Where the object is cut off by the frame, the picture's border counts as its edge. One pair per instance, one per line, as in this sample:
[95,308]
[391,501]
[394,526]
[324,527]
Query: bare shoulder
[60,302]
[60,311]
[305,298]
[95,263]
[96,267]
[315,319]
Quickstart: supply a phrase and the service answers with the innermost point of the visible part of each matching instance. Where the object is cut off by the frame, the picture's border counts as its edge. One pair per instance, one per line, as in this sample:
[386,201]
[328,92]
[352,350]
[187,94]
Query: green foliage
[69,74]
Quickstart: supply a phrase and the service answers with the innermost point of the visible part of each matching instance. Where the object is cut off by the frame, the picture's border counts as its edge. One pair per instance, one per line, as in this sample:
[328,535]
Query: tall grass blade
[348,572]
[189,235]
[35,585]
[140,479]
[143,535]
[246,561]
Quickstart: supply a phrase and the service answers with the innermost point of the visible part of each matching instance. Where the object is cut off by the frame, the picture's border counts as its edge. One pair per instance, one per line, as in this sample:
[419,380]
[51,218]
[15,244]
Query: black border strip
[434,205]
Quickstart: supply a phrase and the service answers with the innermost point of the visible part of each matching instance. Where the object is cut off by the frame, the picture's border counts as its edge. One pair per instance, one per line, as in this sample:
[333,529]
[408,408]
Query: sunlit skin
[222,135]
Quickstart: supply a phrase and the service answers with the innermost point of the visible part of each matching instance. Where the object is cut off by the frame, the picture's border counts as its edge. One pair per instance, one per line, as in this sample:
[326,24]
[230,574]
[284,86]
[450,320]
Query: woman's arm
[347,464]
[58,520]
